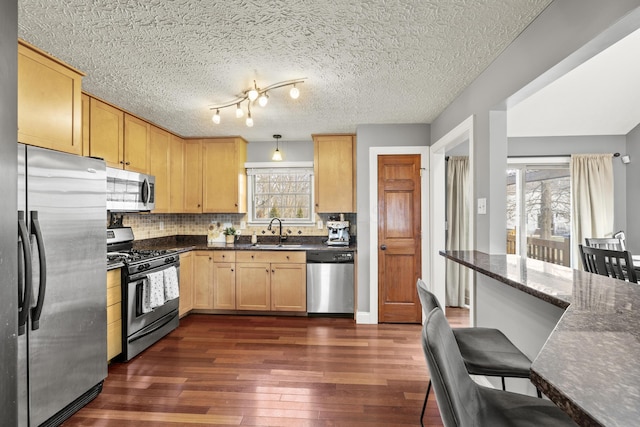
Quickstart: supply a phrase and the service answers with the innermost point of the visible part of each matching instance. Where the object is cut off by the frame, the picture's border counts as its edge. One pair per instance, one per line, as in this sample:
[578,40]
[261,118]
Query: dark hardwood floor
[269,371]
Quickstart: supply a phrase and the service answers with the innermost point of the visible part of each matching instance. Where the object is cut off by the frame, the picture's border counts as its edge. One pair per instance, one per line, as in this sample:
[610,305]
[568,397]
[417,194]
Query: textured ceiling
[379,61]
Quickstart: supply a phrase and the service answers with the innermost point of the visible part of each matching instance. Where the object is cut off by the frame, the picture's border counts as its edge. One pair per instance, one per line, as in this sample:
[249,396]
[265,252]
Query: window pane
[285,193]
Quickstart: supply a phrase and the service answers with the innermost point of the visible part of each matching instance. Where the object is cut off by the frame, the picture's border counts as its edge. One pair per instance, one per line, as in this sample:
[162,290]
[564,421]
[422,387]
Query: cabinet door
[106,133]
[186,283]
[176,174]
[159,166]
[288,287]
[334,173]
[202,280]
[224,176]
[224,288]
[136,144]
[114,314]
[193,176]
[253,289]
[49,101]
[86,112]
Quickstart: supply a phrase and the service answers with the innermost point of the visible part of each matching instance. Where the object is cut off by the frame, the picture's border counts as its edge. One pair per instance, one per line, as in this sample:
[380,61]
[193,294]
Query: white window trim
[275,165]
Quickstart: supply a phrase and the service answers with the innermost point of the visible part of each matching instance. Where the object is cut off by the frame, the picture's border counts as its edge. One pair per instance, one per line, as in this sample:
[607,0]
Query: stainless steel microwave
[130,191]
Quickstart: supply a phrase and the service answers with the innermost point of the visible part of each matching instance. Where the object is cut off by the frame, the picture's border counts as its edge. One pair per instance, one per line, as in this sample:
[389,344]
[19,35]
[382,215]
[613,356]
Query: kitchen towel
[171,287]
[156,289]
[146,297]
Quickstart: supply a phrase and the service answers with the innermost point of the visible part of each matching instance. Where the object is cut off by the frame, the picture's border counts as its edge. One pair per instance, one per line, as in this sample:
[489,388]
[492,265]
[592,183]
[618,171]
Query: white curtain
[458,211]
[591,199]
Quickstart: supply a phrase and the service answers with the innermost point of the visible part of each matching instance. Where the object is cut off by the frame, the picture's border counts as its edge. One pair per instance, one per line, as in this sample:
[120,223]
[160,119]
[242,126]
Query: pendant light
[277,155]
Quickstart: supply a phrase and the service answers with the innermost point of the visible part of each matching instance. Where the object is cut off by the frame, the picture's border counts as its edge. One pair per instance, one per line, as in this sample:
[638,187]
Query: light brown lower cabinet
[203,280]
[224,280]
[114,314]
[186,283]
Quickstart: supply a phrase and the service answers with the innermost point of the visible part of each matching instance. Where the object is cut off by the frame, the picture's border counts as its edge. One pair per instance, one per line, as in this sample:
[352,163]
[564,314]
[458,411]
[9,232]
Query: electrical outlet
[161,225]
[243,224]
[320,225]
[482,206]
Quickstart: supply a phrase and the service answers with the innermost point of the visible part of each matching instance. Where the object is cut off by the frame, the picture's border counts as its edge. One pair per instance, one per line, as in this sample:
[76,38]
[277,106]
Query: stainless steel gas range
[150,291]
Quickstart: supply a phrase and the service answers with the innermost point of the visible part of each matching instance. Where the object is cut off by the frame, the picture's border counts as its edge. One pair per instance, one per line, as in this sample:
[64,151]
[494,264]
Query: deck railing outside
[556,251]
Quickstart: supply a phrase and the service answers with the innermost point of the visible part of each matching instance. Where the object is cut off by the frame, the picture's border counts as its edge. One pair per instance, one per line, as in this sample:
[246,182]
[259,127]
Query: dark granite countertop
[187,243]
[589,365]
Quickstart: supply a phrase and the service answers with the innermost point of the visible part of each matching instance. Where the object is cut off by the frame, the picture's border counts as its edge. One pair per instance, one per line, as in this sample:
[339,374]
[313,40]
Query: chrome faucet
[280,236]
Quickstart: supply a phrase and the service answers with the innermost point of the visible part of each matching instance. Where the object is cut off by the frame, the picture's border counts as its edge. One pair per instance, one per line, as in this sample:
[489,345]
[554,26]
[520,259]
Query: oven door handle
[24,275]
[37,310]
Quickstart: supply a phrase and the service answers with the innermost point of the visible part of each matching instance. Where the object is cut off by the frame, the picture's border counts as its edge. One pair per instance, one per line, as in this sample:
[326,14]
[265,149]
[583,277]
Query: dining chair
[608,262]
[605,243]
[623,239]
[485,351]
[462,402]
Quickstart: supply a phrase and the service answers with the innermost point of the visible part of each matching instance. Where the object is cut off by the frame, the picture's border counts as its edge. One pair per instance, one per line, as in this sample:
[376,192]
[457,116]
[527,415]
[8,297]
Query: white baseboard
[364,318]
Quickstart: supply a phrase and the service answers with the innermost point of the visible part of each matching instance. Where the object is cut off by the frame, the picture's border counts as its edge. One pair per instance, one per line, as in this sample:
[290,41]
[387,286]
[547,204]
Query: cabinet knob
[128,163]
[232,270]
[223,256]
[235,204]
[267,270]
[198,204]
[121,162]
[273,271]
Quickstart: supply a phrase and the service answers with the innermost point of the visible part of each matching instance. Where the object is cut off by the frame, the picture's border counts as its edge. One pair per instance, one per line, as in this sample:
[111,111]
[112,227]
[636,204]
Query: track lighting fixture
[251,95]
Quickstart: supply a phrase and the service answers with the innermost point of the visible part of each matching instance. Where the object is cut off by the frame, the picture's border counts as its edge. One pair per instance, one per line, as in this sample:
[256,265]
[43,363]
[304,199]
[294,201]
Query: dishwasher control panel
[322,257]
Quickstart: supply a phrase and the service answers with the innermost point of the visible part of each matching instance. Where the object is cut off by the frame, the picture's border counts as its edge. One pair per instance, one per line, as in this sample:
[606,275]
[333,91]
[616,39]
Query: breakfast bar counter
[590,364]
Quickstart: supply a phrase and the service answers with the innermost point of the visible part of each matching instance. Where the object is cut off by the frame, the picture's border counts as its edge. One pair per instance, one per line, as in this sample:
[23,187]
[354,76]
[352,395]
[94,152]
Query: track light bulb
[216,117]
[253,95]
[239,112]
[294,92]
[262,101]
[249,121]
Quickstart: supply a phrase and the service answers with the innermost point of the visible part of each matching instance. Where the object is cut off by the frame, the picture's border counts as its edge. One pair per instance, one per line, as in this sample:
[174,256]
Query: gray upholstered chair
[485,351]
[462,402]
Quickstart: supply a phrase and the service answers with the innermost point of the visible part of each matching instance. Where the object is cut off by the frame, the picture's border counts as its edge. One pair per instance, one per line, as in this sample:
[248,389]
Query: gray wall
[564,145]
[292,151]
[632,229]
[377,136]
[545,50]
[8,210]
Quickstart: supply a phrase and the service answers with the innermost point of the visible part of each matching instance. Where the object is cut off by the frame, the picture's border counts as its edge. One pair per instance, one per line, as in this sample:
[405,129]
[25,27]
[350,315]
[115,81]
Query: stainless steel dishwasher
[330,283]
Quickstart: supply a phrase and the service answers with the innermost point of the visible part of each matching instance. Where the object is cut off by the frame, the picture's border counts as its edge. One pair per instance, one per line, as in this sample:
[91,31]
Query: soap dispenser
[254,238]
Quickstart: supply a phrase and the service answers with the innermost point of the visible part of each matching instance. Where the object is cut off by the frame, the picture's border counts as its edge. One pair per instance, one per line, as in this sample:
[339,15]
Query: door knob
[383,247]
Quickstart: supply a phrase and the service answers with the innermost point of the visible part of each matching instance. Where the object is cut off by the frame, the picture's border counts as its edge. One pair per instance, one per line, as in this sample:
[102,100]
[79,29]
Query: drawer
[114,312]
[113,295]
[297,257]
[224,256]
[113,278]
[114,339]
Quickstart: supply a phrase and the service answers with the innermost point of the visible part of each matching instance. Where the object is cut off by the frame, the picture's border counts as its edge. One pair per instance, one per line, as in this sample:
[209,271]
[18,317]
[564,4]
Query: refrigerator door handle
[37,310]
[24,276]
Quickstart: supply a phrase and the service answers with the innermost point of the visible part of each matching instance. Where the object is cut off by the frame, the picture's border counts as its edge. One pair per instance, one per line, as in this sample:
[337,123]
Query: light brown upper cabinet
[106,133]
[224,177]
[192,189]
[176,174]
[334,173]
[136,144]
[159,166]
[49,101]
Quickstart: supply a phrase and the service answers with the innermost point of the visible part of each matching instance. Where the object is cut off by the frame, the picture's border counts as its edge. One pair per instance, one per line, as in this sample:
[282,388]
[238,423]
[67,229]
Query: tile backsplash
[147,226]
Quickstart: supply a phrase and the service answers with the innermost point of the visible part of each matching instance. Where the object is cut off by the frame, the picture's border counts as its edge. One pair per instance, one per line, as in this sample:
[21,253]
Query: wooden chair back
[607,262]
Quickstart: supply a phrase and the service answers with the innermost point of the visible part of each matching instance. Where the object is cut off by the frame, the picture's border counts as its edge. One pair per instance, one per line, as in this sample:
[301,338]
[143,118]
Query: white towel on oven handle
[146,297]
[156,289]
[171,286]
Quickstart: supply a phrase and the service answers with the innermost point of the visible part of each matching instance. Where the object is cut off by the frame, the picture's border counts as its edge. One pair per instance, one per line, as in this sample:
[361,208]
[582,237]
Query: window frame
[308,166]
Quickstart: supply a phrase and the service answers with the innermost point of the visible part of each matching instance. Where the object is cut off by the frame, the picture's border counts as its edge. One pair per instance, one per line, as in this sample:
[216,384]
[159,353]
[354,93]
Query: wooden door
[176,174]
[202,280]
[186,283]
[253,290]
[136,144]
[192,176]
[224,288]
[106,133]
[288,287]
[399,255]
[159,167]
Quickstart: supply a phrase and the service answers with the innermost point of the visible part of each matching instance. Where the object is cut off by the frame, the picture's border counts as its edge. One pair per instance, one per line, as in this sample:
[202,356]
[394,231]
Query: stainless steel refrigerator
[62,332]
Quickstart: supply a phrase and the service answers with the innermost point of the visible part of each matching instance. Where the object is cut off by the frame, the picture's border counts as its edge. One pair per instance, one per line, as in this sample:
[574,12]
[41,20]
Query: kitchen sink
[282,246]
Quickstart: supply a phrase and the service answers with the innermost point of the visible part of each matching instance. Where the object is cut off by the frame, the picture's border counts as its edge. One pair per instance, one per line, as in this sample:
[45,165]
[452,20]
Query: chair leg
[503,386]
[424,405]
